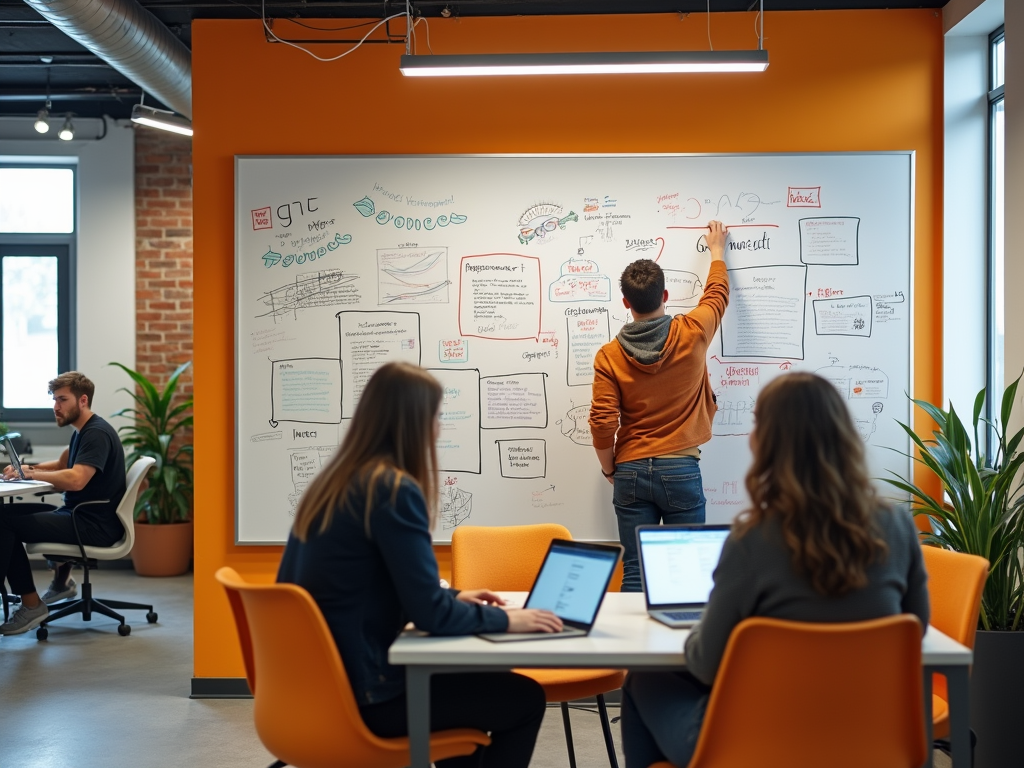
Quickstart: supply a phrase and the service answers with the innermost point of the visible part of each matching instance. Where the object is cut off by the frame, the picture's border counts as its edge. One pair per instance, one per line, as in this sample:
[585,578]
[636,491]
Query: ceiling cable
[270,34]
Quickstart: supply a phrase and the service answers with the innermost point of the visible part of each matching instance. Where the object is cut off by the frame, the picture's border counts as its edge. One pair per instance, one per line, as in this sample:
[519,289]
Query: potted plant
[163,524]
[983,514]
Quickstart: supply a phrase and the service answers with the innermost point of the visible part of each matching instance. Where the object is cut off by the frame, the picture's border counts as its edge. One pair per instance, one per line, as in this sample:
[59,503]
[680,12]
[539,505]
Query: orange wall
[844,80]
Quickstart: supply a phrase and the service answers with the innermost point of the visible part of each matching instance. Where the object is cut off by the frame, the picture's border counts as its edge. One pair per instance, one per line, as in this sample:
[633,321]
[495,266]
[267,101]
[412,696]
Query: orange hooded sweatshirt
[648,410]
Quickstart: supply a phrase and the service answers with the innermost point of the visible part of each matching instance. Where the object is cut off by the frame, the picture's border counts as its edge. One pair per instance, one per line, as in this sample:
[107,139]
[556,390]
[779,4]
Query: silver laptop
[571,583]
[12,453]
[676,566]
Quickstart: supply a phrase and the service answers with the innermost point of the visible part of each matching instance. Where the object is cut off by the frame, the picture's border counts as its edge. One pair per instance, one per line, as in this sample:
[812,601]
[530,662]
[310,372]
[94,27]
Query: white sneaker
[25,619]
[54,593]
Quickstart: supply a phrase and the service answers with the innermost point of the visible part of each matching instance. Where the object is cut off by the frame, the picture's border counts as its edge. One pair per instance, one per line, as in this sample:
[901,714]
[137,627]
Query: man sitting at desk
[90,469]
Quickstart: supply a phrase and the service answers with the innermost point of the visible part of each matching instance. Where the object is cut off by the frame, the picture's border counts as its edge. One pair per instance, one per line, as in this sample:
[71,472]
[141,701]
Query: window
[37,238]
[996,370]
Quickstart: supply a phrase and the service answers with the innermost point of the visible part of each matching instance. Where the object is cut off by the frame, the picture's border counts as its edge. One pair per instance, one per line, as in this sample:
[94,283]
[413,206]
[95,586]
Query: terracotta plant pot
[162,550]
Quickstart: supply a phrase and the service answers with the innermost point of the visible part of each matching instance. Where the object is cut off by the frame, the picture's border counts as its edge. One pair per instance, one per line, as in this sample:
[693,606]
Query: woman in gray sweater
[816,545]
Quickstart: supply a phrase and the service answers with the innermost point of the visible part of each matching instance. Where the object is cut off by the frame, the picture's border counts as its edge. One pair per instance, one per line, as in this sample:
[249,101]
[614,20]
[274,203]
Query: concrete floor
[89,698]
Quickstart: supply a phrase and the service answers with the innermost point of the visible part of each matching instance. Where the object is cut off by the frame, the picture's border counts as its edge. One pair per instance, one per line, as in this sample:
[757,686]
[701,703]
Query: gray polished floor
[92,699]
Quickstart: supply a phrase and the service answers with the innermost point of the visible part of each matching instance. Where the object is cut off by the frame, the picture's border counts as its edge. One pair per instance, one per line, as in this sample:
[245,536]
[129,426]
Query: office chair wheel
[124,630]
[151,617]
[42,633]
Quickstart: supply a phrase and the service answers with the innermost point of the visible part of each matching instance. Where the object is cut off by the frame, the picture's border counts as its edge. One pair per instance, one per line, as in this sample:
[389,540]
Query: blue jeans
[649,492]
[662,714]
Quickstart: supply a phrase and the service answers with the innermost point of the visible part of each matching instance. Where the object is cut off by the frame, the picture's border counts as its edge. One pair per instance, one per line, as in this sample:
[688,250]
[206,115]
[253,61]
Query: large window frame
[63,247]
[995,378]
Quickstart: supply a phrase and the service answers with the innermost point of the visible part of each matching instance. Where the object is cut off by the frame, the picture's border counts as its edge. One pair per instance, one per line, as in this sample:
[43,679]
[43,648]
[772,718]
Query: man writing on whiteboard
[652,403]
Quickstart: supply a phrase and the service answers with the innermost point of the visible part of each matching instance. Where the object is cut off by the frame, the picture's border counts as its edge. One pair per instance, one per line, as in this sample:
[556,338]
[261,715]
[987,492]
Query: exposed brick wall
[163,256]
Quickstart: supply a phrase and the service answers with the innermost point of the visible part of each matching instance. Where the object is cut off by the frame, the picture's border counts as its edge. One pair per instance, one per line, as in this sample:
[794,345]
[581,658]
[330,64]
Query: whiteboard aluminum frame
[912,266]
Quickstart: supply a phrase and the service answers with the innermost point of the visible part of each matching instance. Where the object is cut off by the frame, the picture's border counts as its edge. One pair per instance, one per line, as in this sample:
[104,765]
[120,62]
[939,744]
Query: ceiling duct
[132,40]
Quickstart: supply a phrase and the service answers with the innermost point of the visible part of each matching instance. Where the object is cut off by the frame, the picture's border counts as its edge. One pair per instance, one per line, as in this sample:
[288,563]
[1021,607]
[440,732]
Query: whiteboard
[500,275]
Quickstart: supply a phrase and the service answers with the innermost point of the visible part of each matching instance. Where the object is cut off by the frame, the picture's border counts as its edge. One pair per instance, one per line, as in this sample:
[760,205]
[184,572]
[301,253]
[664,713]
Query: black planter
[997,699]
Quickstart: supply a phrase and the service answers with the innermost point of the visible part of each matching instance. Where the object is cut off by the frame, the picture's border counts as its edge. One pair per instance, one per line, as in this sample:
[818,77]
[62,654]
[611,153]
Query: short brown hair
[643,285]
[78,383]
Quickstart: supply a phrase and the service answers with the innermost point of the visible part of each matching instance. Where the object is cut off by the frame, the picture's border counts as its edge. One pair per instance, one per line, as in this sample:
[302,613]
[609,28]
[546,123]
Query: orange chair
[305,712]
[507,558]
[955,584]
[788,695]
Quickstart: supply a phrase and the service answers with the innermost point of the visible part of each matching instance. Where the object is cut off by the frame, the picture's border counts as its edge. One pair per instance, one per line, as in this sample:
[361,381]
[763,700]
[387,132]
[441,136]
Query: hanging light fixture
[41,125]
[162,119]
[67,131]
[604,63]
[595,63]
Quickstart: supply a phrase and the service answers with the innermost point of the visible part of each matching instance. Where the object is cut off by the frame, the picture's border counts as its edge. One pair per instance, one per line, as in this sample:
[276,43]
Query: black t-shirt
[97,445]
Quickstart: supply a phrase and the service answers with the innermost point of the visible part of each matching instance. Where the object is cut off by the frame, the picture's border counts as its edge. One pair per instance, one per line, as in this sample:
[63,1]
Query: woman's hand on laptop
[480,597]
[532,620]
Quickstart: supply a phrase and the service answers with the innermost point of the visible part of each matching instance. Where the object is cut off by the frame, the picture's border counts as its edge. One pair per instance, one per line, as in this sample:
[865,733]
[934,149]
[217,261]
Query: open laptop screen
[572,581]
[678,563]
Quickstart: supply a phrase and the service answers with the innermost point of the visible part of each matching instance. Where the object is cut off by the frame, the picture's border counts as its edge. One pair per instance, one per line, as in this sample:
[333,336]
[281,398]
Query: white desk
[23,488]
[624,637]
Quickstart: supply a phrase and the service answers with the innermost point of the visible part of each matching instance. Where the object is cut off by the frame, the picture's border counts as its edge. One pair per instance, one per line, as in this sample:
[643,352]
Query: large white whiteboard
[500,274]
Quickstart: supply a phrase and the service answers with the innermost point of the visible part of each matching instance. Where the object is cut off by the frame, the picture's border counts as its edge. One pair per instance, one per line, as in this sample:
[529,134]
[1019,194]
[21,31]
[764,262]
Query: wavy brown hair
[391,436]
[810,474]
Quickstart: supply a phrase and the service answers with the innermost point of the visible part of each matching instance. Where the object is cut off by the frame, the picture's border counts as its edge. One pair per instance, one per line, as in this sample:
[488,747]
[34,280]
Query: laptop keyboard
[682,615]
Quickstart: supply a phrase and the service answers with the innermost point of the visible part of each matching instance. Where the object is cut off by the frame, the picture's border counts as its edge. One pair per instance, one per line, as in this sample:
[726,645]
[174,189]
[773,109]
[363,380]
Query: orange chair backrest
[305,712]
[790,694]
[955,584]
[244,637]
[501,557]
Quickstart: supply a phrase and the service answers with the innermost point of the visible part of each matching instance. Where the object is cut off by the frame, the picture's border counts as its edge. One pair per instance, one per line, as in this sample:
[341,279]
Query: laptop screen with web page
[678,563]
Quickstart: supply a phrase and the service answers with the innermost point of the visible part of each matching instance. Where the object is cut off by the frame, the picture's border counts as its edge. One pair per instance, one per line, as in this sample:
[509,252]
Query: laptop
[571,583]
[12,454]
[676,567]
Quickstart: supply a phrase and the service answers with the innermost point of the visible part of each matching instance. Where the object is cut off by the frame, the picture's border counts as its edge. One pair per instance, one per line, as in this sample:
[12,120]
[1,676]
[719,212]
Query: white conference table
[625,637]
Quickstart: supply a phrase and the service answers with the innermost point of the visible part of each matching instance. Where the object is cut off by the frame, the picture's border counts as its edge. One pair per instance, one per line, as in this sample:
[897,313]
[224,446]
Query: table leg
[417,687]
[958,684]
[928,717]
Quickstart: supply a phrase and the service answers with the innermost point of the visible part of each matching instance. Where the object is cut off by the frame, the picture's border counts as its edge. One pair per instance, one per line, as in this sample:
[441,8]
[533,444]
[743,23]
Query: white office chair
[87,557]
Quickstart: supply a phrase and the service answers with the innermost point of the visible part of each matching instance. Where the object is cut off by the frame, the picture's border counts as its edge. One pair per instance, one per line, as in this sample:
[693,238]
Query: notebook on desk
[571,583]
[676,567]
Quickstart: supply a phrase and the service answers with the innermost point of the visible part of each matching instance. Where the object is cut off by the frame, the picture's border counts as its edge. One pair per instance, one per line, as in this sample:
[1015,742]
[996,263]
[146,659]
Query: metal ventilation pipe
[132,40]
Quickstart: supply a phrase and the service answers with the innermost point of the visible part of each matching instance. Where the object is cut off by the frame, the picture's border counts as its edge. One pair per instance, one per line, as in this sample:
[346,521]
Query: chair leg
[127,606]
[607,729]
[568,734]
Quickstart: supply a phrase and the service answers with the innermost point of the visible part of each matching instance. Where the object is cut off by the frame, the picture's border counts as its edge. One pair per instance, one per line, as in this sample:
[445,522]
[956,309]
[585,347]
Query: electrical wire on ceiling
[413,29]
[710,44]
[270,33]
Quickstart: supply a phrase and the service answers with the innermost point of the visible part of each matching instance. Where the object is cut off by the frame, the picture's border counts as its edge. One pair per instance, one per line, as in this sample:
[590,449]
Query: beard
[69,416]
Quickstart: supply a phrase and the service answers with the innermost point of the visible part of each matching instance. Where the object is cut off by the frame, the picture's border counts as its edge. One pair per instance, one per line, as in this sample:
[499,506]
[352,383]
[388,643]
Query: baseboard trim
[220,688]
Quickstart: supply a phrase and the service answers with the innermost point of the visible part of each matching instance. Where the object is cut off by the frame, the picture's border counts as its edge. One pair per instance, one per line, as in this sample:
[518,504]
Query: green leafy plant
[985,512]
[155,424]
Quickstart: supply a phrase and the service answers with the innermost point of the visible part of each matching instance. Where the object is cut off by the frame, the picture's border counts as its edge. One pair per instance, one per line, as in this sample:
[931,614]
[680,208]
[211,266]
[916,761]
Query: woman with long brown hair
[816,544]
[361,546]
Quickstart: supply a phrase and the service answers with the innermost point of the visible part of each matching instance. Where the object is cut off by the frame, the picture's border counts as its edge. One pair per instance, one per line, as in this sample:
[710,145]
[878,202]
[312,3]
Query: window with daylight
[997,69]
[37,239]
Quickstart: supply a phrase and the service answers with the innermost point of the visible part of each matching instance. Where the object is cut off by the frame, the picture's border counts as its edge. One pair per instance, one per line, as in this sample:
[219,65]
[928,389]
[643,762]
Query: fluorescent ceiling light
[162,119]
[604,63]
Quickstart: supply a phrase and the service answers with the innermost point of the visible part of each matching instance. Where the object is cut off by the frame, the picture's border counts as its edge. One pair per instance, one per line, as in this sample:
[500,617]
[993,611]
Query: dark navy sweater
[369,587]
